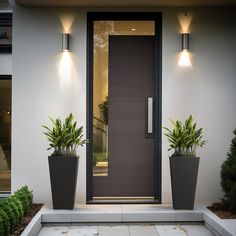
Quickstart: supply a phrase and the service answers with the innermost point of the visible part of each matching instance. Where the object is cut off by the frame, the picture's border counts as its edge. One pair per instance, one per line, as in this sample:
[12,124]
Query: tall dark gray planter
[63,176]
[184,171]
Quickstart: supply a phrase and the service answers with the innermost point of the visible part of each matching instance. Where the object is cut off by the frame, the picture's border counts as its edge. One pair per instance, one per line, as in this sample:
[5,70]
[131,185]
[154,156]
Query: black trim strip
[5,21]
[5,77]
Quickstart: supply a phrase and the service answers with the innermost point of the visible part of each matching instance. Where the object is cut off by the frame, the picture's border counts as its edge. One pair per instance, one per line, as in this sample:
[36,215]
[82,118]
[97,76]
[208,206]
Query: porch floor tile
[127,230]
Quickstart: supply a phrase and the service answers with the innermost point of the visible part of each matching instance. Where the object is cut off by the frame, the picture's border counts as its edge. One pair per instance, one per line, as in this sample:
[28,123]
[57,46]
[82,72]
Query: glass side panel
[102,30]
[5,135]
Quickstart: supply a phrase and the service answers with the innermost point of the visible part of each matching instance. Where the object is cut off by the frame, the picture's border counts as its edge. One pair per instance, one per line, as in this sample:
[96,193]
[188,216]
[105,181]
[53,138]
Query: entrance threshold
[123,200]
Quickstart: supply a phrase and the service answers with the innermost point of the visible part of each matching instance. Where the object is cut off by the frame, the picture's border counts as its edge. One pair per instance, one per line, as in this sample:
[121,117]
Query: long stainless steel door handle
[150,115]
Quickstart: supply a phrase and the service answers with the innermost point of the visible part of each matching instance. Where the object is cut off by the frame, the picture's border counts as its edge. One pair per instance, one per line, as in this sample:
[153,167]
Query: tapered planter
[63,176]
[184,171]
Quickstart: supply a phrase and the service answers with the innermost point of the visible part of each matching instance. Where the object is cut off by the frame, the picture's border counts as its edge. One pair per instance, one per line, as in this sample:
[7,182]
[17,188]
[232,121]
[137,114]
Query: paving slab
[126,230]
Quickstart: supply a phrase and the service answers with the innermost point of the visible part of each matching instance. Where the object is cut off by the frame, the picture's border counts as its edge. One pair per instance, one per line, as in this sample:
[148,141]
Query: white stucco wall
[206,90]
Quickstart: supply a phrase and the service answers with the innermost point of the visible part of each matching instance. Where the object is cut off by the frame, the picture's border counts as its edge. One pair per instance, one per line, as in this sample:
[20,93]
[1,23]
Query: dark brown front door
[130,141]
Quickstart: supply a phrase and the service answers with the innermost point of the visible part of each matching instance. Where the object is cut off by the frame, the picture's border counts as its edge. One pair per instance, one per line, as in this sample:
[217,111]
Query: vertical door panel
[131,153]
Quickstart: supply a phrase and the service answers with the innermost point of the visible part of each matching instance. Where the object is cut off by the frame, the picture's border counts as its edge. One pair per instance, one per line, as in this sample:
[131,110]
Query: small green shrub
[228,177]
[23,198]
[2,227]
[29,195]
[18,204]
[4,224]
[13,208]
[9,211]
[15,211]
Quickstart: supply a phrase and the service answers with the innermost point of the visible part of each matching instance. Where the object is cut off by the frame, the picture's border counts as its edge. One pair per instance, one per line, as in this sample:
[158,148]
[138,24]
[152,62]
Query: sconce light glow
[67,21]
[65,42]
[185,20]
[65,69]
[184,59]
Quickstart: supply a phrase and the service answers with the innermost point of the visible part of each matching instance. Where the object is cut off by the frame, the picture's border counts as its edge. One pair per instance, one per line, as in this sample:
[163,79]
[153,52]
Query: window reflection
[5,135]
[102,30]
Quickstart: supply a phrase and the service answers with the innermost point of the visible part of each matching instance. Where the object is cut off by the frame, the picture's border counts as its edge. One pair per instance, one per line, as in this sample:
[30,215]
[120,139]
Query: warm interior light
[184,59]
[133,29]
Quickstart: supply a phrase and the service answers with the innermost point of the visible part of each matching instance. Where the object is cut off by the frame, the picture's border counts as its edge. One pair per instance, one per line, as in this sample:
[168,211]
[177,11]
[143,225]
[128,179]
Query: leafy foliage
[18,205]
[24,196]
[228,177]
[15,211]
[65,137]
[10,213]
[185,138]
[4,223]
[104,109]
[29,194]
[24,201]
[13,208]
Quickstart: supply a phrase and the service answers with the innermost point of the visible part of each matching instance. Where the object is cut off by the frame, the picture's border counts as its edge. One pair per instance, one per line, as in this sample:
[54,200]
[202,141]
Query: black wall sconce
[185,42]
[65,42]
[184,59]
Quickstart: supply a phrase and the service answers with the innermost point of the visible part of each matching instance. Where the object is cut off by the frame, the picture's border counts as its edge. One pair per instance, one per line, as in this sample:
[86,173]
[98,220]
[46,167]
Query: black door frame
[142,16]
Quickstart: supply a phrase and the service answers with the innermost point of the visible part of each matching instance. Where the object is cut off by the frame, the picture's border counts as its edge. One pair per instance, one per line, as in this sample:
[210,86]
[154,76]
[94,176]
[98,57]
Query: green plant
[104,109]
[228,177]
[23,198]
[18,205]
[185,138]
[13,208]
[28,193]
[65,137]
[9,211]
[4,223]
